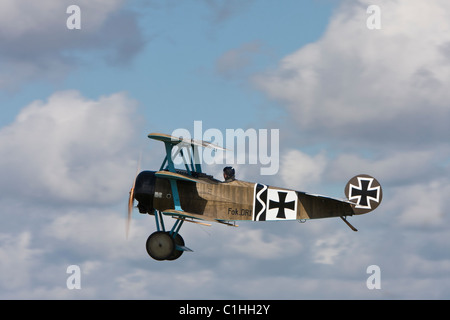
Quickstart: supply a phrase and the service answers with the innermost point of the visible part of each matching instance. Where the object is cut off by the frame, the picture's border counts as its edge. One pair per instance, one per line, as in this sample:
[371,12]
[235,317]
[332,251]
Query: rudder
[365,191]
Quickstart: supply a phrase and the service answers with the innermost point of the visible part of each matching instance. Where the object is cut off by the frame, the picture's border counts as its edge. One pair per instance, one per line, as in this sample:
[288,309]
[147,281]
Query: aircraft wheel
[160,245]
[177,253]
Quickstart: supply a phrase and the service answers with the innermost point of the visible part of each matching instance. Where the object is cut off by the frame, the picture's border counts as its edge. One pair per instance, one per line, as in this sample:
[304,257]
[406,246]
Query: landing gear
[161,245]
[165,245]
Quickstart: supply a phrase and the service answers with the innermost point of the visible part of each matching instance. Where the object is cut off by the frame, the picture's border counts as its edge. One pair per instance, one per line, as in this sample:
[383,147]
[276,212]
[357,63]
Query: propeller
[131,199]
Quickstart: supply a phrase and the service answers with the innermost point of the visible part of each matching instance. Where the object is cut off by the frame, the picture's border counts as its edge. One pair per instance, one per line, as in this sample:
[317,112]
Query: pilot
[228,174]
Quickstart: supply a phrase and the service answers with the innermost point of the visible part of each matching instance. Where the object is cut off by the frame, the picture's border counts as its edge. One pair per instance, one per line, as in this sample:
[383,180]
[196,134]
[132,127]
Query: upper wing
[190,146]
[188,142]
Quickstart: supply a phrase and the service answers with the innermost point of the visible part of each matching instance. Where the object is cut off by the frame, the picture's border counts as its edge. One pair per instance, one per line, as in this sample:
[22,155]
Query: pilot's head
[228,173]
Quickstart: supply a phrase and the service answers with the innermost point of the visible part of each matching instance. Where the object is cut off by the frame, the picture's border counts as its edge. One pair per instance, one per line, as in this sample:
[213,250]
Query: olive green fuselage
[241,200]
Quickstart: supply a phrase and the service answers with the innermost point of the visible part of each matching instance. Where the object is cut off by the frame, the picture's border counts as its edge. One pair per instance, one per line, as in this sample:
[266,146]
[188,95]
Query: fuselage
[235,200]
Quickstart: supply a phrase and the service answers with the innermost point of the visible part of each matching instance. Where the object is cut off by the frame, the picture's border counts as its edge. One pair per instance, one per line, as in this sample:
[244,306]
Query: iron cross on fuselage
[281,205]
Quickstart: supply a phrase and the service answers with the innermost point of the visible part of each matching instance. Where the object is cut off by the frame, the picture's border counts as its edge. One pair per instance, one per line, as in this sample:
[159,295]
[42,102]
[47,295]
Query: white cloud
[421,205]
[98,233]
[257,244]
[394,167]
[17,259]
[378,86]
[36,43]
[70,149]
[328,248]
[300,170]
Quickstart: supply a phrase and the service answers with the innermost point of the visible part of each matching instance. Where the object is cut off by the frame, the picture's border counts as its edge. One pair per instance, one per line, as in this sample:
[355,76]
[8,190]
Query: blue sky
[176,66]
[77,106]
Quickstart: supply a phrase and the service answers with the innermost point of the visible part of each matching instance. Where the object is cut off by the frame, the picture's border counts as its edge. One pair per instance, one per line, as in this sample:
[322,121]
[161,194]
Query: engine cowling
[144,191]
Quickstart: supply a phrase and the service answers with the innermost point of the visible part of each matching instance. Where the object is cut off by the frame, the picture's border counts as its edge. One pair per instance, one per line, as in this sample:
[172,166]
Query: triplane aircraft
[193,196]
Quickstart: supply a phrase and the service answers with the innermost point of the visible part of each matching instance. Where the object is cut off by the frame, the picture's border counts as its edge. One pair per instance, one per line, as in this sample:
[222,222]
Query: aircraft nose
[145,190]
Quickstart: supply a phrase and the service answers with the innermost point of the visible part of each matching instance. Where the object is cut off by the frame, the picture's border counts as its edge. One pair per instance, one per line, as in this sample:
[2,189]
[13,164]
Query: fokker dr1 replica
[193,196]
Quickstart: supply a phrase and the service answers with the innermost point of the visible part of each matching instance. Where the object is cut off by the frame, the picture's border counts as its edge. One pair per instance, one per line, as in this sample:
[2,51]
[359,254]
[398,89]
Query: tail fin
[365,191]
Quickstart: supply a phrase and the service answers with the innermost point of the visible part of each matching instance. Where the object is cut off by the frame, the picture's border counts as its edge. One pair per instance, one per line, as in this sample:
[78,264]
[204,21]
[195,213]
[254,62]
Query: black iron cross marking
[281,205]
[364,192]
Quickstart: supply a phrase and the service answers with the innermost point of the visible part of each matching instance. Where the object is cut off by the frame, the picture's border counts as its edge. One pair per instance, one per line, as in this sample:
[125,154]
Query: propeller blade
[131,199]
[130,211]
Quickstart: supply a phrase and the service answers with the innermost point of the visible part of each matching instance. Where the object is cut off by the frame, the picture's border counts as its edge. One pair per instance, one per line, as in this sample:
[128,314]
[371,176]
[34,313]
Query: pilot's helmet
[228,172]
